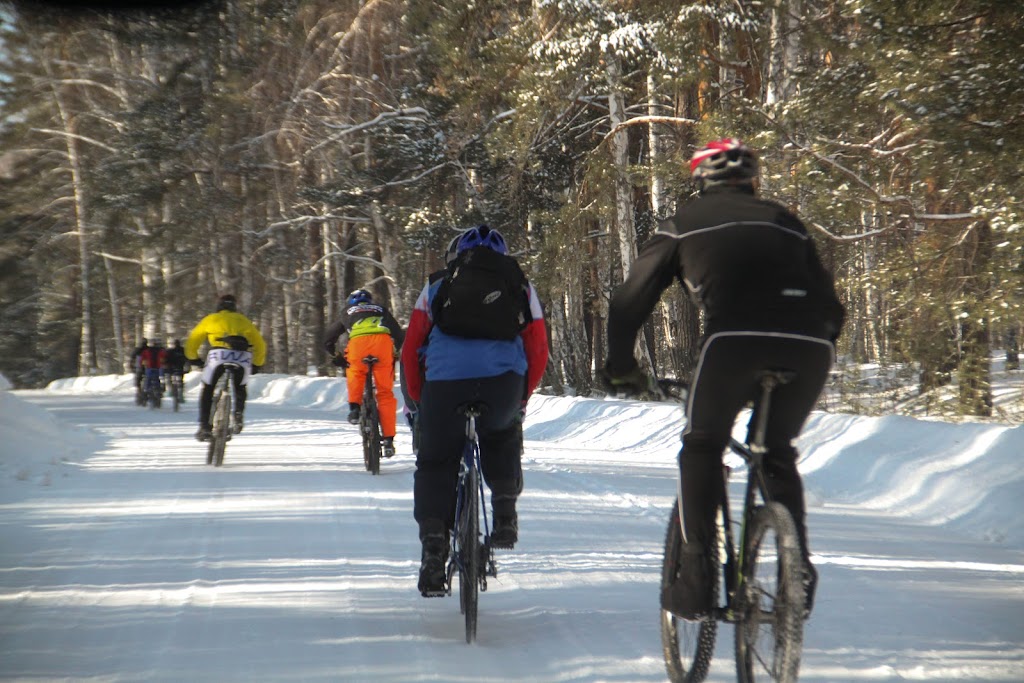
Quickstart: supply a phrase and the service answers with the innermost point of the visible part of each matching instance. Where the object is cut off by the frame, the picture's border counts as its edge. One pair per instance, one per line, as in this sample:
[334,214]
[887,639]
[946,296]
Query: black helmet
[227,302]
[359,296]
[722,161]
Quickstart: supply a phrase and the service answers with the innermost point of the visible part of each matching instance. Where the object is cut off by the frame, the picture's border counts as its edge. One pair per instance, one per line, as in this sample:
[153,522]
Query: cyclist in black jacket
[768,303]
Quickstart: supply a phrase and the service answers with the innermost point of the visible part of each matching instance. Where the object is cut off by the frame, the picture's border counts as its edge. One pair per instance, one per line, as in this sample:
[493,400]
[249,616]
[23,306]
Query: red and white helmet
[722,160]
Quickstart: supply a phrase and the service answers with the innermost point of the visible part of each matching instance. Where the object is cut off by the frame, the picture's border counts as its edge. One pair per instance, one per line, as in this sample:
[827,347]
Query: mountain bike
[140,387]
[761,570]
[225,400]
[153,391]
[369,420]
[177,386]
[471,553]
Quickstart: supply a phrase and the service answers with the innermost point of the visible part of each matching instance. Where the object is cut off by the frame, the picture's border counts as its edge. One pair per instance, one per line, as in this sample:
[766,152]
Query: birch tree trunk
[785,50]
[619,144]
[115,318]
[87,348]
[387,242]
[659,191]
[152,281]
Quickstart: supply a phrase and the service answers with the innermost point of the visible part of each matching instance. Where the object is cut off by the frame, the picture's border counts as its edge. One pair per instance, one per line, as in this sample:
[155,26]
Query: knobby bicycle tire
[221,421]
[688,646]
[177,389]
[770,624]
[369,425]
[469,549]
[153,394]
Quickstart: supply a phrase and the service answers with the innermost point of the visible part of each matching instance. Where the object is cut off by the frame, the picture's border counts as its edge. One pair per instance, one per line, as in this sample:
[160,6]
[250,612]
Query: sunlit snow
[123,557]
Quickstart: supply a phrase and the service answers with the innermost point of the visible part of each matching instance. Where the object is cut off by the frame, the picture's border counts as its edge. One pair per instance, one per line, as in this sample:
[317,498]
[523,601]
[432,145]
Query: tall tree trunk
[115,316]
[656,144]
[785,50]
[316,324]
[974,370]
[87,347]
[619,144]
[152,282]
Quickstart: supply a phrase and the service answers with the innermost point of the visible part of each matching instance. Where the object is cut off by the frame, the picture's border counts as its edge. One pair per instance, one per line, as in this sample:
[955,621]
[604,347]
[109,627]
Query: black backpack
[482,296]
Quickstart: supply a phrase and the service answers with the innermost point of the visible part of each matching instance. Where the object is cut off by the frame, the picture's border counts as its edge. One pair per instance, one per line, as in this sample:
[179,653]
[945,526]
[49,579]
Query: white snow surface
[124,557]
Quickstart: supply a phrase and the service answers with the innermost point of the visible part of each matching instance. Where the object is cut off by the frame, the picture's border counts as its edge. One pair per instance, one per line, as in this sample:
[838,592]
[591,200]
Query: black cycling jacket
[747,262]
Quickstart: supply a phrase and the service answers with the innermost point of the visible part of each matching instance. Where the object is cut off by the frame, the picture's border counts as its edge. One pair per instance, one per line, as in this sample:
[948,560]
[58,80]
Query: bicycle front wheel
[469,552]
[770,623]
[688,646]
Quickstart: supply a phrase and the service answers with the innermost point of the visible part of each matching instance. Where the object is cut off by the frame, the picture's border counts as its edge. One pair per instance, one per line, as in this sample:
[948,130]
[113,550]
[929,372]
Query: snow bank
[34,445]
[965,476]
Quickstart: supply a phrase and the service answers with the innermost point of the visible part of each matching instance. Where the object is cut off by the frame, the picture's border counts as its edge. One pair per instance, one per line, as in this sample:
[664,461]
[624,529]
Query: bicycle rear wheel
[688,646]
[221,427]
[770,624]
[153,396]
[369,425]
[469,552]
[375,440]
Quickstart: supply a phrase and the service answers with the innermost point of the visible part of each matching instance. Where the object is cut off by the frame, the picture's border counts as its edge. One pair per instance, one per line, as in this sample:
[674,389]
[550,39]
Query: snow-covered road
[123,557]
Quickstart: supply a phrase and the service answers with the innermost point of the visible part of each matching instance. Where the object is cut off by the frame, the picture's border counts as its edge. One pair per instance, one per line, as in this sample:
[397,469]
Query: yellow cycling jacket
[225,324]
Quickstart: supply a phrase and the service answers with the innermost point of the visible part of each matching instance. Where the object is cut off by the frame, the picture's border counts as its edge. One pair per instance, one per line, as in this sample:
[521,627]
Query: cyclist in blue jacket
[444,370]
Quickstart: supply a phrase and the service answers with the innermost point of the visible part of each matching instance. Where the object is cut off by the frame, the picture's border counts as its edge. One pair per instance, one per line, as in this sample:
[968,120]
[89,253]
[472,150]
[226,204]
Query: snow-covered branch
[412,114]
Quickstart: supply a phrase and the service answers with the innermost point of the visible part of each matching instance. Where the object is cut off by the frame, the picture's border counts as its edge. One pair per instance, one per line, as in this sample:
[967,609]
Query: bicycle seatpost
[768,383]
[471,412]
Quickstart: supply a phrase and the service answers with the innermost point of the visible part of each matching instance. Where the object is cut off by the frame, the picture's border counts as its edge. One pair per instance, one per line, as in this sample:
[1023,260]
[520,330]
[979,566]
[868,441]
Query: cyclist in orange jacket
[371,331]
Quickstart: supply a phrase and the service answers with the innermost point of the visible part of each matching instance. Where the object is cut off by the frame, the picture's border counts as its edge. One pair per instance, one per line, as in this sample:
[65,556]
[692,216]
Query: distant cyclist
[226,322]
[475,335]
[152,361]
[367,329]
[768,304]
[175,362]
[137,369]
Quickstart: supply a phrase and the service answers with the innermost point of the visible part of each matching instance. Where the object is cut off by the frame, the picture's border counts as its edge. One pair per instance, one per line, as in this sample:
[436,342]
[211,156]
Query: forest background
[290,151]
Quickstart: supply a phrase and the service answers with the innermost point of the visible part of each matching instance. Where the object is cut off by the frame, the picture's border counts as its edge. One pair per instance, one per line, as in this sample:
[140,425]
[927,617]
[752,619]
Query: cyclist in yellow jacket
[214,329]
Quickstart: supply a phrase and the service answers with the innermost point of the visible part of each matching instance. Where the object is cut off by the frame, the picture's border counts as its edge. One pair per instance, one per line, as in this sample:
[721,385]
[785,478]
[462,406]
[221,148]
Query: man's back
[226,324]
[749,263]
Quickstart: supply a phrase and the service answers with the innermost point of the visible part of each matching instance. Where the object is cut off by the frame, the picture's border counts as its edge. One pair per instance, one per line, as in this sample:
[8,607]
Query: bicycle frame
[756,566]
[752,453]
[470,461]
[733,546]
[471,557]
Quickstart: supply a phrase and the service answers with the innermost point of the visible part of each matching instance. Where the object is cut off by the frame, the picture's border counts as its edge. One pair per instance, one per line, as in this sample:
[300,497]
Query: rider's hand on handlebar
[340,361]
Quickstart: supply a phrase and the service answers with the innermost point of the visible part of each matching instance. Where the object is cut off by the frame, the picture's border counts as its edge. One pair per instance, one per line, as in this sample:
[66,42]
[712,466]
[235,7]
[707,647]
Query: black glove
[521,417]
[632,383]
[256,369]
[195,362]
[340,362]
